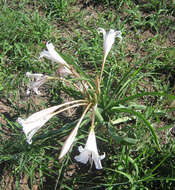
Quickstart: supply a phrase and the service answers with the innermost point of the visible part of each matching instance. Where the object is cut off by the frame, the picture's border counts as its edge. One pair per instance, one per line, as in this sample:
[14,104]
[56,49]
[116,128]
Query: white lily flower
[54,56]
[37,80]
[36,121]
[90,152]
[109,39]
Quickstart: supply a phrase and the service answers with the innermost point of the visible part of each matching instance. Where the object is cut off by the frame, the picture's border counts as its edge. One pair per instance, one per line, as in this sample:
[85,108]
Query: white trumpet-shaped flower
[36,121]
[54,56]
[109,39]
[37,80]
[90,152]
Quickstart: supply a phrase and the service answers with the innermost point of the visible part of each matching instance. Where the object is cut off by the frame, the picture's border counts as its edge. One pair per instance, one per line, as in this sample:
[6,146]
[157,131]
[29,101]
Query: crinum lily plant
[89,92]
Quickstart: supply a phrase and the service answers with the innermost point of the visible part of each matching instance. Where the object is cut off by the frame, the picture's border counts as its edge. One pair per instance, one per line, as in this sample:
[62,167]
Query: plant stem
[75,105]
[93,119]
[72,102]
[102,68]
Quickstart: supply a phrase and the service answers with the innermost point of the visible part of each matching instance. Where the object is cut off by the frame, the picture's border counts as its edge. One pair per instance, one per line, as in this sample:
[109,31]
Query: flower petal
[118,34]
[30,128]
[36,121]
[101,30]
[97,161]
[37,80]
[36,91]
[91,143]
[45,54]
[41,114]
[64,71]
[36,76]
[80,149]
[102,156]
[55,56]
[30,135]
[83,157]
[109,39]
[90,152]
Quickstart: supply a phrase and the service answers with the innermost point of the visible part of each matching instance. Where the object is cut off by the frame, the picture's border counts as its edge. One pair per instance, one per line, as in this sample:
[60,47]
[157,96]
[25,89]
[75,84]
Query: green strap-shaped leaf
[140,116]
[123,100]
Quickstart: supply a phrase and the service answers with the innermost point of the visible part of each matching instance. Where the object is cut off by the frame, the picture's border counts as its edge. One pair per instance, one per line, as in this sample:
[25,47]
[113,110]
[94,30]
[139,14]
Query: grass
[138,83]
